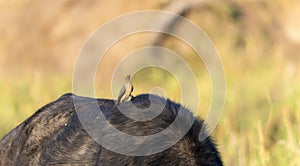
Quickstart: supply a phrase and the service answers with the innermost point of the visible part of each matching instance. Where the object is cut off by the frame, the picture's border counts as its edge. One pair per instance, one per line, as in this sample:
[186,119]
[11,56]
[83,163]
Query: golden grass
[260,124]
[21,97]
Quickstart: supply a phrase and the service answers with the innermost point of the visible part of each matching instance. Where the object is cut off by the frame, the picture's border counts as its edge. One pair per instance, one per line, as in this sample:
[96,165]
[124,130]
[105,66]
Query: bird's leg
[125,99]
[130,97]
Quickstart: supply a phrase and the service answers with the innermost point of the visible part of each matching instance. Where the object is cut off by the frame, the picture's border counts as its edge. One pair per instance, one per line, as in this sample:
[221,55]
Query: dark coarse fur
[54,135]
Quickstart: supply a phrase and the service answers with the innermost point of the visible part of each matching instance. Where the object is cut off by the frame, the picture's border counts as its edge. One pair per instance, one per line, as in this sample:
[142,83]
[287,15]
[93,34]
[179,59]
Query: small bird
[126,90]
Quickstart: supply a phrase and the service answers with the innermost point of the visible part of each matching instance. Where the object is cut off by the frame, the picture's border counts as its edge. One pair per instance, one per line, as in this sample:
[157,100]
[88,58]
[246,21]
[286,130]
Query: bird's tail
[118,103]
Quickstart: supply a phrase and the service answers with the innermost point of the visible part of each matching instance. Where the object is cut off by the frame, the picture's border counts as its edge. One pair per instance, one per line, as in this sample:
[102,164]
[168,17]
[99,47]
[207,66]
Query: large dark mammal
[54,135]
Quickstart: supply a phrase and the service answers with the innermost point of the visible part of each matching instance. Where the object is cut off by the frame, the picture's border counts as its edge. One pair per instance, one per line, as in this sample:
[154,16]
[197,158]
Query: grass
[260,124]
[23,96]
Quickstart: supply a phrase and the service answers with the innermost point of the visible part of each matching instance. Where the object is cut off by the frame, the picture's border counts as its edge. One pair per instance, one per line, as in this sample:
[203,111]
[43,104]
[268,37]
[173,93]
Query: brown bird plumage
[126,90]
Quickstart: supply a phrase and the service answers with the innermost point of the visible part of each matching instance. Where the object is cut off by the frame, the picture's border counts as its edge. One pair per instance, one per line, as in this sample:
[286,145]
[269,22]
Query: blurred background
[258,41]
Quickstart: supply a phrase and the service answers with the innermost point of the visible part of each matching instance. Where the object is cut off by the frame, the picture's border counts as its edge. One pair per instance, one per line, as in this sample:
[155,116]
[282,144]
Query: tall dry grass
[257,41]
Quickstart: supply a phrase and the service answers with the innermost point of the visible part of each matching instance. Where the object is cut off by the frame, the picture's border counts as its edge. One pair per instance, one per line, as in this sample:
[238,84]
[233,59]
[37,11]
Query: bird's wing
[131,88]
[122,92]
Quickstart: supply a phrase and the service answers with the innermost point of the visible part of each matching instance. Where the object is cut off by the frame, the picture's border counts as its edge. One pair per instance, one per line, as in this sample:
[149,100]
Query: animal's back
[55,135]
